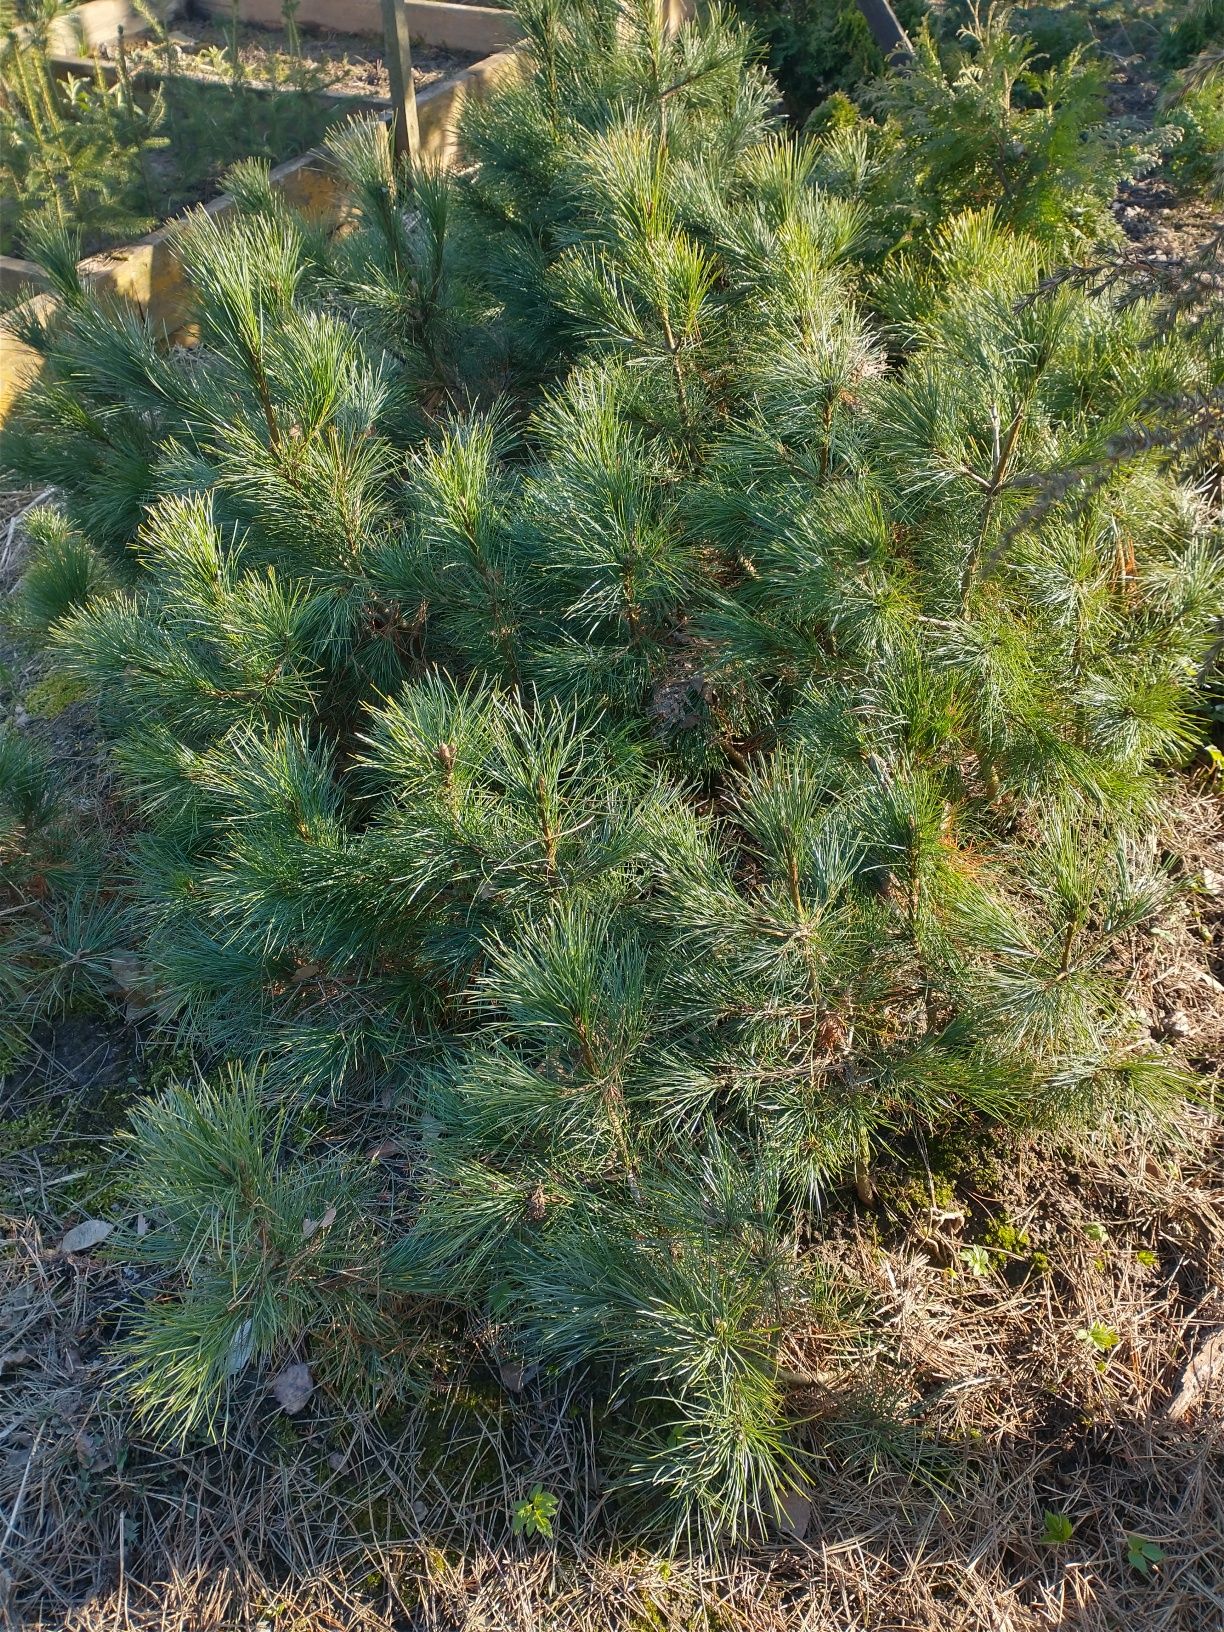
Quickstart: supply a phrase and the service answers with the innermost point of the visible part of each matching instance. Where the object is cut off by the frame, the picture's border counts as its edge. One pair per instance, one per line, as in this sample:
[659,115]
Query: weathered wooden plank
[397,54]
[886,30]
[479,29]
[16,274]
[147,273]
[77,32]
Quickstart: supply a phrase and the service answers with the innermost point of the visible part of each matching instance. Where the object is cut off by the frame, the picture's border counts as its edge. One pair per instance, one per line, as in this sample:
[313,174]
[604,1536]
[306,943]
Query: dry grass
[320,1523]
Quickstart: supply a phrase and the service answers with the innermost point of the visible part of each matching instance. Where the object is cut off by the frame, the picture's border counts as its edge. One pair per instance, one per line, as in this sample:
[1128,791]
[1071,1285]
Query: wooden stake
[886,31]
[406,133]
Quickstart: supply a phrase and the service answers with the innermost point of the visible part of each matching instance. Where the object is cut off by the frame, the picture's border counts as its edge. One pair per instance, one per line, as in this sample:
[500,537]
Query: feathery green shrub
[990,123]
[662,681]
[1194,109]
[73,151]
[1197,27]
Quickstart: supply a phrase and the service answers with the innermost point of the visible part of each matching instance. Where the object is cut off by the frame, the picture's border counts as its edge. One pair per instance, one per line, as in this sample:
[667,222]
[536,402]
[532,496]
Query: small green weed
[1141,1554]
[1056,1528]
[977,1260]
[1103,1338]
[533,1516]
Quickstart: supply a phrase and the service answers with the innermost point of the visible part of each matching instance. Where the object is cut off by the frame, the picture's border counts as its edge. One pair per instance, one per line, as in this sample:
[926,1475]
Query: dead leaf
[310,1225]
[292,1388]
[142,1224]
[131,982]
[388,1148]
[81,1237]
[1201,1382]
[125,971]
[796,1514]
[515,1377]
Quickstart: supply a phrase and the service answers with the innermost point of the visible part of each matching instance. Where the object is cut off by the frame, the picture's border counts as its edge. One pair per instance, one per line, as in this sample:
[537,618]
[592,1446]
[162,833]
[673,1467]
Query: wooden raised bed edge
[148,273]
[438,23]
[484,30]
[452,27]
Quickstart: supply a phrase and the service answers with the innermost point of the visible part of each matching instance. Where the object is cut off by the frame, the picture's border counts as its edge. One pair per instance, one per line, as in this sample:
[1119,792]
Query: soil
[348,64]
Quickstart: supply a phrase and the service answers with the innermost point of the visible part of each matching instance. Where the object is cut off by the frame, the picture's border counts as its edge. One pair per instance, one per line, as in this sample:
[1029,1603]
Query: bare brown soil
[351,64]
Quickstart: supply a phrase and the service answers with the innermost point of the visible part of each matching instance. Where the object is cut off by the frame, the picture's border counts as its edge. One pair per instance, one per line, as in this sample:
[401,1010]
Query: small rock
[82,1237]
[292,1388]
[1175,1024]
[515,1377]
[796,1514]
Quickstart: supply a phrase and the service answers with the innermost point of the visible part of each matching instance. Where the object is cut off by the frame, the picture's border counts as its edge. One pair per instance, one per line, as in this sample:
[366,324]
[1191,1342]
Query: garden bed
[157,114]
[119,118]
[193,128]
[457,53]
[266,58]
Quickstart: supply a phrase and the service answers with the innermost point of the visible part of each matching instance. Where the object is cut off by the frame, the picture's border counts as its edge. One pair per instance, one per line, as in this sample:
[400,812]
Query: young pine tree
[676,780]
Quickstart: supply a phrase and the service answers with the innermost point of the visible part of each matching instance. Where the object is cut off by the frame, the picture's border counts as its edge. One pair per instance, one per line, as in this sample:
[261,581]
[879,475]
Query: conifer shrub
[272,1240]
[73,151]
[663,684]
[1195,28]
[819,47]
[990,121]
[64,919]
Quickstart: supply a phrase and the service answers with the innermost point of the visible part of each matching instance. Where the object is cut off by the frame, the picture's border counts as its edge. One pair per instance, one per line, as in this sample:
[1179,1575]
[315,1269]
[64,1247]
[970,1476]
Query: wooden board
[479,29]
[147,273]
[77,32]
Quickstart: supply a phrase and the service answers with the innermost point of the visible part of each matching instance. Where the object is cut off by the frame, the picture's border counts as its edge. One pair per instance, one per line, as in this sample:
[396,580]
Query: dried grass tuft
[1014,1410]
